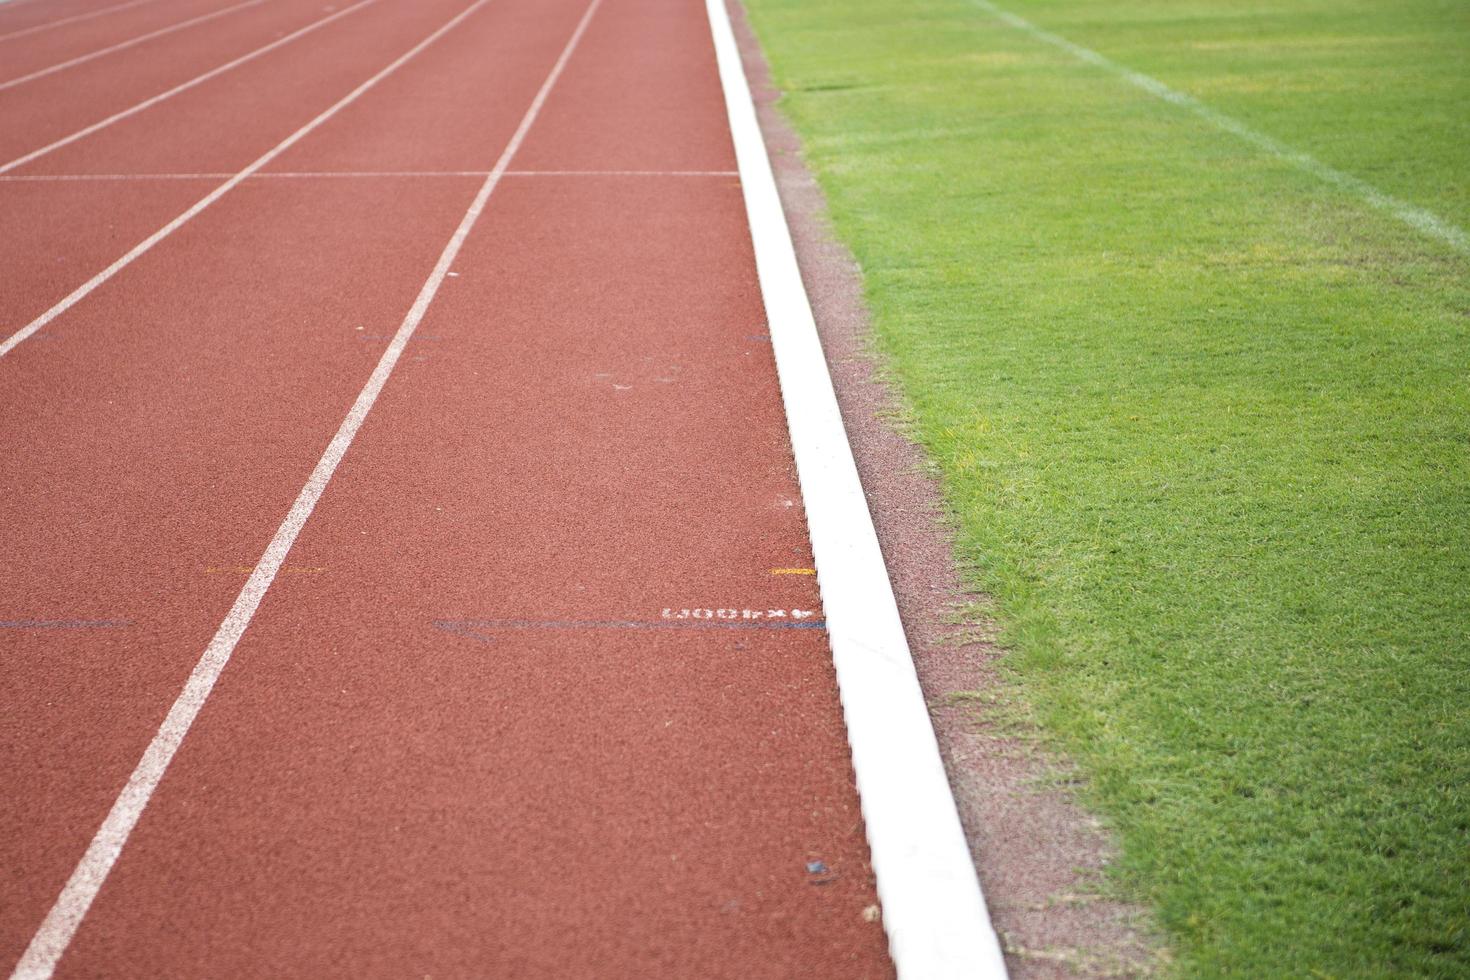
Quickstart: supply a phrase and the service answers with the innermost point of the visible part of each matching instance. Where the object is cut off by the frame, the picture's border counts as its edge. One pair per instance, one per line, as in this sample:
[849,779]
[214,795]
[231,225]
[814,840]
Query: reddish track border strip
[933,909]
[153,100]
[124,45]
[60,925]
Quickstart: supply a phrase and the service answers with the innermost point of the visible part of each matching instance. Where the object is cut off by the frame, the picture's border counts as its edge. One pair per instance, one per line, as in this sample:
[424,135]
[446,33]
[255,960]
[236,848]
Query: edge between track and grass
[933,908]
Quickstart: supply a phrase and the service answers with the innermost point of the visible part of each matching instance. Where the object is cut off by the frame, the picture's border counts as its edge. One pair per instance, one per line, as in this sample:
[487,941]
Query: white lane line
[275,174]
[933,909]
[1412,215]
[153,101]
[36,29]
[280,174]
[82,291]
[82,59]
[61,923]
[625,173]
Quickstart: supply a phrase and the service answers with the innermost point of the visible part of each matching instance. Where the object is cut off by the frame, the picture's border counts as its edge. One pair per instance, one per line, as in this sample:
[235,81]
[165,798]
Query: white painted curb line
[933,909]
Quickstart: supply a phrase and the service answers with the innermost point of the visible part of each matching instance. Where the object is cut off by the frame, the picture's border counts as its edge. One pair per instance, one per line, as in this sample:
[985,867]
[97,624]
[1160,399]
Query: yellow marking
[793,571]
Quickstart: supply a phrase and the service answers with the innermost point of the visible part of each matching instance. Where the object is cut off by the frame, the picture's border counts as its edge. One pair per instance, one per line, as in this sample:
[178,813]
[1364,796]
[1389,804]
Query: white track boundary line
[38,28]
[183,87]
[625,173]
[366,174]
[61,924]
[123,45]
[82,291]
[933,908]
[1412,215]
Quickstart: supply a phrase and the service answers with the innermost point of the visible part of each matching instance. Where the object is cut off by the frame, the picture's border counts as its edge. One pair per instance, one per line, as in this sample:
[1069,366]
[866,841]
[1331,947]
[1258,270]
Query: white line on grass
[60,925]
[933,908]
[82,291]
[183,87]
[82,59]
[36,29]
[1410,214]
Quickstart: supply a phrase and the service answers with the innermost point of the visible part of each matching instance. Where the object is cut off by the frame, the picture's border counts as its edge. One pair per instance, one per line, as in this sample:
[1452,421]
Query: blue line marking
[472,627]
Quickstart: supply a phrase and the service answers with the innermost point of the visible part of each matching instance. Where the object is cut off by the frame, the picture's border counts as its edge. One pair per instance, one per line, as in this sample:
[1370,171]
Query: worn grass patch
[1203,422]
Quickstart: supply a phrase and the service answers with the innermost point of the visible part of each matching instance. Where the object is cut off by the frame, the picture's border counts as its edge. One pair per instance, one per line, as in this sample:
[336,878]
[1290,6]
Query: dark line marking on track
[470,627]
[62,624]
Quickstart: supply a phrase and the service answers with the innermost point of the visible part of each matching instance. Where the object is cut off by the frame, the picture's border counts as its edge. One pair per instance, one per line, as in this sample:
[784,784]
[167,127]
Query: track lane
[143,491]
[165,428]
[53,108]
[8,169]
[54,258]
[664,85]
[428,792]
[34,52]
[29,19]
[405,132]
[436,773]
[53,67]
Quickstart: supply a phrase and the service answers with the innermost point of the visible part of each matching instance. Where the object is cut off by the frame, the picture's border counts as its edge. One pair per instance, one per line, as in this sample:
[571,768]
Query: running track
[518,671]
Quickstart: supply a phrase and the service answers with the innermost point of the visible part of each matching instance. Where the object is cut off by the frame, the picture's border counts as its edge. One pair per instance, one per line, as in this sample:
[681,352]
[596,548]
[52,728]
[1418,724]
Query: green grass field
[1203,421]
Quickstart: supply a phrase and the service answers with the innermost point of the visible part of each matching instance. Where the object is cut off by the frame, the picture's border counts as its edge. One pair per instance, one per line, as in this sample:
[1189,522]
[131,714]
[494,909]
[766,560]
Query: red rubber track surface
[39,112]
[80,17]
[42,49]
[459,738]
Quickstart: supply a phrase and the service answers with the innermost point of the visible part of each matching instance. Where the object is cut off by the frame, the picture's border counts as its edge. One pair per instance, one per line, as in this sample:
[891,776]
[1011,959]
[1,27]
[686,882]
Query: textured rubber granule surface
[541,689]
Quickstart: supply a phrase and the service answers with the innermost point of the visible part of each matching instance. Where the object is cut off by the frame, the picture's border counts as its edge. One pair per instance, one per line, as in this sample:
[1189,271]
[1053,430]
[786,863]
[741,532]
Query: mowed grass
[1203,422]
